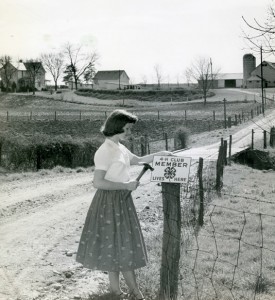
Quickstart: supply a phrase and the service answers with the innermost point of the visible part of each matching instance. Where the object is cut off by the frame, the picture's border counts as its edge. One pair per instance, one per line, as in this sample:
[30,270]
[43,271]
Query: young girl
[112,239]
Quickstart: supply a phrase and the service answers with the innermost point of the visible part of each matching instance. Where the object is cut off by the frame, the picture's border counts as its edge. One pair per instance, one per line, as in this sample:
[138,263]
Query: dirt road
[41,218]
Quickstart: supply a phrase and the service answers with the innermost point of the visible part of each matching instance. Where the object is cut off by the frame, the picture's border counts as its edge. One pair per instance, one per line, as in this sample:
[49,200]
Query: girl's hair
[116,121]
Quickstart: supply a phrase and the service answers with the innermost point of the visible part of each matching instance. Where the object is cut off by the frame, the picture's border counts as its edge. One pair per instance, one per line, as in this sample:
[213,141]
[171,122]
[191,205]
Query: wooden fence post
[8,116]
[252,140]
[31,115]
[166,141]
[229,122]
[80,117]
[236,120]
[252,114]
[264,139]
[240,120]
[272,136]
[230,150]
[214,115]
[219,172]
[142,146]
[171,242]
[158,114]
[201,194]
[146,143]
[225,153]
[38,158]
[55,116]
[185,115]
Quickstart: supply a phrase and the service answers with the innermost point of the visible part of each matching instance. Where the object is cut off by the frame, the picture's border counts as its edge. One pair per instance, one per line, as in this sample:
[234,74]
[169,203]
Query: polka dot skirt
[111,239]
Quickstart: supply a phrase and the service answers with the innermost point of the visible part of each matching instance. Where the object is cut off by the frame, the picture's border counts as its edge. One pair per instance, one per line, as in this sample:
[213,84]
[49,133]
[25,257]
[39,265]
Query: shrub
[181,138]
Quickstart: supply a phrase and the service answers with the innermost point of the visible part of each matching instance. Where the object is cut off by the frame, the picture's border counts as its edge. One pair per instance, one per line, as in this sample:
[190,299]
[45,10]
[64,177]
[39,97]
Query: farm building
[228,80]
[111,80]
[21,75]
[252,74]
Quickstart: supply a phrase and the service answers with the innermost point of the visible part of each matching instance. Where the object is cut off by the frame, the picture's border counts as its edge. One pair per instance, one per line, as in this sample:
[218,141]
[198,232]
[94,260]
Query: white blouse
[115,160]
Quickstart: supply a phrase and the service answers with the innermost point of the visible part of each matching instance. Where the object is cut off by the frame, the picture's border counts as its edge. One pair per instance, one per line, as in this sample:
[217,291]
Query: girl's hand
[132,185]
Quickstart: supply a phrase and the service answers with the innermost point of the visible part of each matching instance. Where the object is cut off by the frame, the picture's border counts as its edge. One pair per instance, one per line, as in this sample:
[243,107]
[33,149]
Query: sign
[171,169]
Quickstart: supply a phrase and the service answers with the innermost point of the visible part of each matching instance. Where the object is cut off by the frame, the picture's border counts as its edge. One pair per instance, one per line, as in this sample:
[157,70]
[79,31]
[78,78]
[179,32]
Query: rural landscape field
[44,201]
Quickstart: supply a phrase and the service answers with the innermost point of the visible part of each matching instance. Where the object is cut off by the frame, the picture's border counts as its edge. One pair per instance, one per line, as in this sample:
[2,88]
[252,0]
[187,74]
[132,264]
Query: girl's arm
[148,158]
[101,183]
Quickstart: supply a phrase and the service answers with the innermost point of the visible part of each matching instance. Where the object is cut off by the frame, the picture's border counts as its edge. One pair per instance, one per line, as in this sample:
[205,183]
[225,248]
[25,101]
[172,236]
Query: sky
[134,35]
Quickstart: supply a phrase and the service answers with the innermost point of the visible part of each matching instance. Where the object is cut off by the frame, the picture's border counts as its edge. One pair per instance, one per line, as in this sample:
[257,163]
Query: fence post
[264,139]
[171,241]
[214,115]
[142,146]
[240,120]
[185,115]
[225,153]
[166,141]
[252,114]
[229,122]
[38,158]
[219,172]
[201,210]
[7,116]
[272,136]
[252,140]
[80,116]
[243,116]
[55,116]
[31,115]
[230,150]
[146,143]
[236,120]
[224,111]
[158,114]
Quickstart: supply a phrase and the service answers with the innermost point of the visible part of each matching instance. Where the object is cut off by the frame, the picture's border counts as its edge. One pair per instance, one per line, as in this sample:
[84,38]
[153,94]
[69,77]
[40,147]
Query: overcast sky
[133,35]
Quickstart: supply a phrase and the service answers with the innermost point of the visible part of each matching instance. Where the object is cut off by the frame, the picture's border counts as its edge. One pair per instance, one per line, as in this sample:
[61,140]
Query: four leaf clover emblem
[170,172]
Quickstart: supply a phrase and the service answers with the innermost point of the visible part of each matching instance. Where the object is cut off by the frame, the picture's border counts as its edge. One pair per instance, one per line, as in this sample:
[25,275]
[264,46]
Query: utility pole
[262,80]
[211,73]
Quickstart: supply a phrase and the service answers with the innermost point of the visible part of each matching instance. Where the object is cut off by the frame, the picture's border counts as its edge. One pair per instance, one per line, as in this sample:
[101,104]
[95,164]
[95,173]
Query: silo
[249,65]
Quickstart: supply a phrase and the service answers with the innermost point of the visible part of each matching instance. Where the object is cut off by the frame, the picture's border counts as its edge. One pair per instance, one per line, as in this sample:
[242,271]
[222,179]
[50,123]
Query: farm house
[111,80]
[19,75]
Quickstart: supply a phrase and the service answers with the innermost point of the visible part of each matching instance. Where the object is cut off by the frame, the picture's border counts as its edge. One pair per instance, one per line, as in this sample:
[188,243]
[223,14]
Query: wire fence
[226,242]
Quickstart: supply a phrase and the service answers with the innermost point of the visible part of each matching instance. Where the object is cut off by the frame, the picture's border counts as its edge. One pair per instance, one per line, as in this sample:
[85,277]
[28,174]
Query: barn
[228,80]
[111,80]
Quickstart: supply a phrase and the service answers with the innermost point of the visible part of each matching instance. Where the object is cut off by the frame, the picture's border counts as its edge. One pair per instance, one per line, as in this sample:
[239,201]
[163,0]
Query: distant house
[111,80]
[21,75]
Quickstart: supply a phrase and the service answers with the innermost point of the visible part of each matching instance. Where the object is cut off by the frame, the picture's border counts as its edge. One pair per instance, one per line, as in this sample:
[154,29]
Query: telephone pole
[262,80]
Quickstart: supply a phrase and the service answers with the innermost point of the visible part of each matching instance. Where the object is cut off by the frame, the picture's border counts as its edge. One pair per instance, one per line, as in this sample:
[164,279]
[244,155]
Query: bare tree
[261,34]
[201,70]
[159,75]
[7,71]
[80,65]
[54,63]
[34,72]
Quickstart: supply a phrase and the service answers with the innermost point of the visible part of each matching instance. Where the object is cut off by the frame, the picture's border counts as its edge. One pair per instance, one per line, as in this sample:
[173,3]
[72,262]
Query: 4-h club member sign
[171,169]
